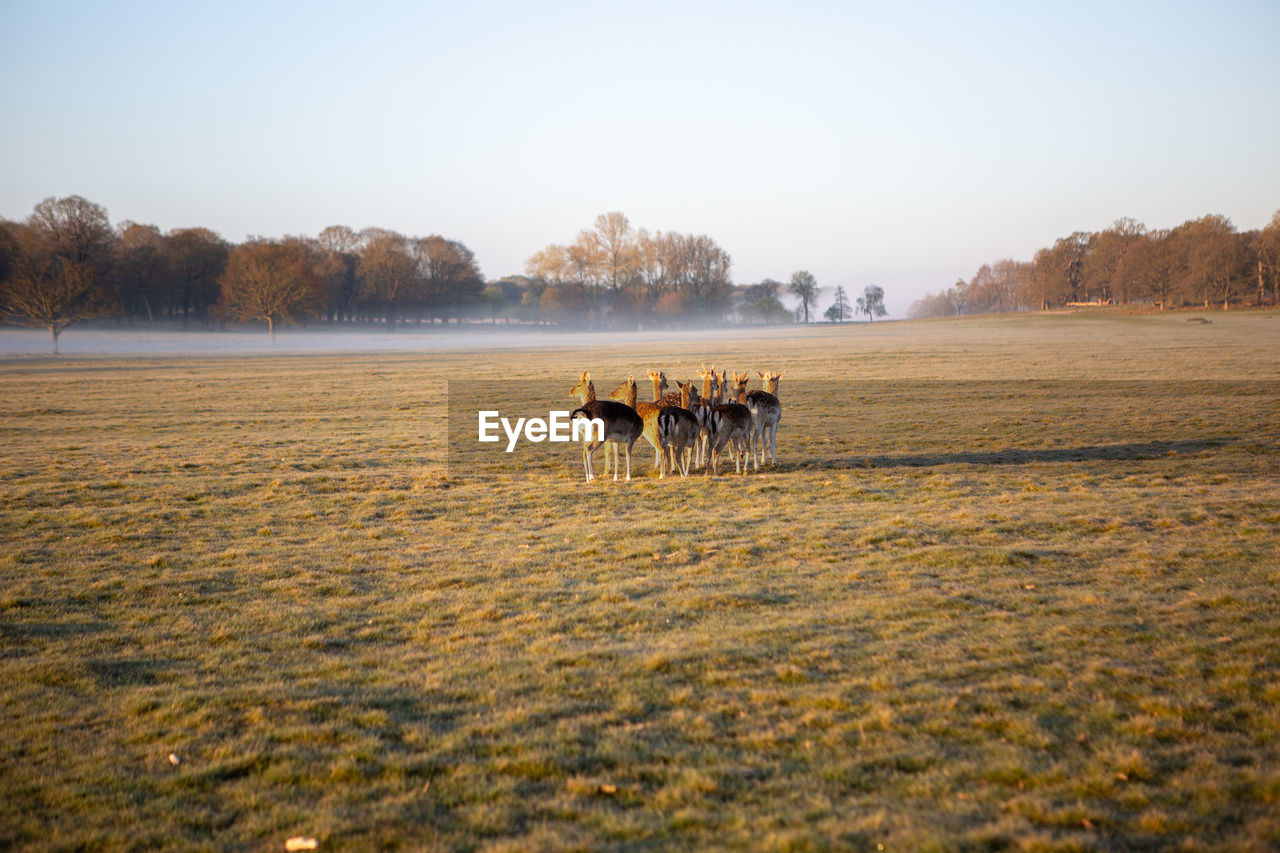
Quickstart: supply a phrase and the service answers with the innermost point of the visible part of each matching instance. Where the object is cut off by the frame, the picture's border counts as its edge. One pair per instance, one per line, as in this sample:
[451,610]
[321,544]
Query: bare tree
[586,266]
[387,271]
[138,268]
[619,252]
[270,280]
[75,229]
[196,258]
[337,253]
[450,279]
[1104,270]
[1214,258]
[59,259]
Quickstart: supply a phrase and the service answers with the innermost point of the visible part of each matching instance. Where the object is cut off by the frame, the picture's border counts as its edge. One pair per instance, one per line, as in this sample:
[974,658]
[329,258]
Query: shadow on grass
[1130,451]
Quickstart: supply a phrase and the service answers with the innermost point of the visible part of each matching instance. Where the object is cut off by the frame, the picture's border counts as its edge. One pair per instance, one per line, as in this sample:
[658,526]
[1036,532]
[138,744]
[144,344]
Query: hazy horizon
[903,147]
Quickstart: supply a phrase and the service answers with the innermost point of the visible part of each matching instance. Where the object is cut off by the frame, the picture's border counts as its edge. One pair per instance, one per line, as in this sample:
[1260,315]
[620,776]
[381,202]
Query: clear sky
[898,144]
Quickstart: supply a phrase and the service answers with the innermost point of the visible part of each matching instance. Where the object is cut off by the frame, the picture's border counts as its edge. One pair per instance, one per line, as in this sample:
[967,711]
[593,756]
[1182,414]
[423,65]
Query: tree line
[1201,262]
[613,275]
[66,262]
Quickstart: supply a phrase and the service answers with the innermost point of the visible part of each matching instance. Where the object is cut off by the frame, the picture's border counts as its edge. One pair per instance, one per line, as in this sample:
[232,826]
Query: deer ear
[586,376]
[780,374]
[761,375]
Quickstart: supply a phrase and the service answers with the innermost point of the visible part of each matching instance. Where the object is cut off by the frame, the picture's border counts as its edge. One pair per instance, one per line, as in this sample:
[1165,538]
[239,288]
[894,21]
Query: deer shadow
[1124,452]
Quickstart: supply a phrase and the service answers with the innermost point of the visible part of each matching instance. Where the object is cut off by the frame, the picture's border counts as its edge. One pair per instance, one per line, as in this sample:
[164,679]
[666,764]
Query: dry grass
[1037,611]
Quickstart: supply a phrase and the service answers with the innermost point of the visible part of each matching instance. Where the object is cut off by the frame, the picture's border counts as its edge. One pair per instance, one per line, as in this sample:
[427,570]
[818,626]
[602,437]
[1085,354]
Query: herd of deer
[686,428]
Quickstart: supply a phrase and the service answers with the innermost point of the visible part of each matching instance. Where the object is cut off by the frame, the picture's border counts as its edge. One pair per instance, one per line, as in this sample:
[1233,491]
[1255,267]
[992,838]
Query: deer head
[770,381]
[585,391]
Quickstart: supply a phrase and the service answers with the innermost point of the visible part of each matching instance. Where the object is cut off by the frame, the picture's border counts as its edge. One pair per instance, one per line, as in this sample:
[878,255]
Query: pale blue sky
[901,144]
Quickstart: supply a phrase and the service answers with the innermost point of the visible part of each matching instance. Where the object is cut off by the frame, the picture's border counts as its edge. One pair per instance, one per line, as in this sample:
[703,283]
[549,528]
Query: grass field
[1013,585]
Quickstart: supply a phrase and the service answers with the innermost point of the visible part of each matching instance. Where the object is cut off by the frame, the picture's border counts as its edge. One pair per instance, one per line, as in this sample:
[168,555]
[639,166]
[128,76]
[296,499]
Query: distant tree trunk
[54,331]
[271,329]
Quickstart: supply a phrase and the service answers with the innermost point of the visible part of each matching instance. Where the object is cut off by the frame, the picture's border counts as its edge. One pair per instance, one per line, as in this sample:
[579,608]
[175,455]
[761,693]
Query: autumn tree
[805,286]
[270,280]
[59,259]
[546,270]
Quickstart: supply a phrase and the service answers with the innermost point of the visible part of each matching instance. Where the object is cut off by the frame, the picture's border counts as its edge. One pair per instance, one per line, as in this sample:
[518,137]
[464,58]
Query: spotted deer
[731,427]
[677,432]
[766,412]
[622,426]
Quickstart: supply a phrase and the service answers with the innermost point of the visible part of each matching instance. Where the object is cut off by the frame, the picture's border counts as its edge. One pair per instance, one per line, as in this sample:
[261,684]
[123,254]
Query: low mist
[123,342]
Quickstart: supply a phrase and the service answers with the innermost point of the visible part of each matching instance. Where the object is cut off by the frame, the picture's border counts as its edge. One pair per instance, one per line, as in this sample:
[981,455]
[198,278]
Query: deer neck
[684,397]
[657,387]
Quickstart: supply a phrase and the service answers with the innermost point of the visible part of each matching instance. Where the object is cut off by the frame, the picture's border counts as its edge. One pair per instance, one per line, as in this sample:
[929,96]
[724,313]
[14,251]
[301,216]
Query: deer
[731,427]
[621,426]
[585,392]
[702,411]
[671,398]
[678,432]
[647,411]
[766,411]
